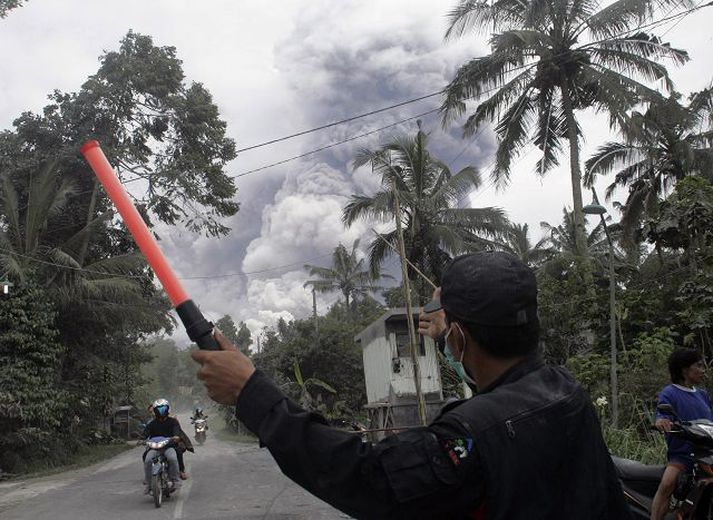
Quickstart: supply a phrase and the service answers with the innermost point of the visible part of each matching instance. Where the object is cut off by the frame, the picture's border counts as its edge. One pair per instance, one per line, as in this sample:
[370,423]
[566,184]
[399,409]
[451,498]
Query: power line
[276,268]
[332,145]
[73,268]
[681,19]
[342,121]
[144,277]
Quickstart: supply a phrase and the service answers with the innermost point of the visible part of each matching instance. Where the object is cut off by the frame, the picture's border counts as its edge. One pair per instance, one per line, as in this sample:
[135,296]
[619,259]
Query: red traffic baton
[198,328]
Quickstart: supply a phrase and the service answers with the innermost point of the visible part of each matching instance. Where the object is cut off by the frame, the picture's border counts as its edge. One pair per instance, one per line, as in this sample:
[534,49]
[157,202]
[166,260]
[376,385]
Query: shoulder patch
[458,449]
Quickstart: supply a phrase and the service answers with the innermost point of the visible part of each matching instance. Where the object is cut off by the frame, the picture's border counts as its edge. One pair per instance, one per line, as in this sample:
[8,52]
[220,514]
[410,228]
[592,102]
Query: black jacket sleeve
[429,472]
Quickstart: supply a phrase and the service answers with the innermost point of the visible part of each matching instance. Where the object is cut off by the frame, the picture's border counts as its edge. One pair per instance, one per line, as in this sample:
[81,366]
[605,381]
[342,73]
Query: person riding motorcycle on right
[163,426]
[690,403]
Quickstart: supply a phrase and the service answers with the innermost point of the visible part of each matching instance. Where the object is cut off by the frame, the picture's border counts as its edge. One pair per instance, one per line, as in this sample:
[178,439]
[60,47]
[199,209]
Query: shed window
[402,341]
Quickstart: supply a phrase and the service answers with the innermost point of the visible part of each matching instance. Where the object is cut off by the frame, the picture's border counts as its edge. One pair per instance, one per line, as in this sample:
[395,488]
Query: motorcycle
[159,485]
[693,495]
[200,426]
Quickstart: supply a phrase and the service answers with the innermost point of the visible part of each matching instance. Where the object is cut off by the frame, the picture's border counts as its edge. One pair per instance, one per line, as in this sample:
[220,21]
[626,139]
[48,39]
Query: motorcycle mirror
[666,409]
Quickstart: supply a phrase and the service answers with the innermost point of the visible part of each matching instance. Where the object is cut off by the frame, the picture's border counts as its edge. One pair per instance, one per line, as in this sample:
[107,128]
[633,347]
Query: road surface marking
[182,496]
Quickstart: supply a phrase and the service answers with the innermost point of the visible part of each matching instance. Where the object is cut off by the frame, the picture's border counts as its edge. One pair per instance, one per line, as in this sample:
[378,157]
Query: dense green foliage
[30,404]
[330,356]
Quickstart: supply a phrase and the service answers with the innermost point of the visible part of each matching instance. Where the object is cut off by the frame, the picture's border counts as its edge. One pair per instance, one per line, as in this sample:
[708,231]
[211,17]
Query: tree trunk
[90,216]
[580,233]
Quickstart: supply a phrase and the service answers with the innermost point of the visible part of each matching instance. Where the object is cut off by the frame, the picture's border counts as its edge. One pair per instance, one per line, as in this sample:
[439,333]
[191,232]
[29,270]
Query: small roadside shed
[388,372]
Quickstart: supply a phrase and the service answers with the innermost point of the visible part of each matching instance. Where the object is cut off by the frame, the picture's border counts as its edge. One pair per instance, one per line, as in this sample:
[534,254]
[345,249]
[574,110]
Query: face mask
[457,364]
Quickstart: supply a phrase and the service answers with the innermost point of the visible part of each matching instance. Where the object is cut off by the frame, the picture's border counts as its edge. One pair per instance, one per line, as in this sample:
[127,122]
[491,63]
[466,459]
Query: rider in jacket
[163,426]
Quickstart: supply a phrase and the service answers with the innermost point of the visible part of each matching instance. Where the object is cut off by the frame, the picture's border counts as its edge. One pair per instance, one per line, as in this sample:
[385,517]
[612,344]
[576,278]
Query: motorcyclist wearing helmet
[163,426]
[198,414]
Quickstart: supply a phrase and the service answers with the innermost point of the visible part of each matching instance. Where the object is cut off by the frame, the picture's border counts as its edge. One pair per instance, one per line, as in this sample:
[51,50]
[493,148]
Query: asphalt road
[227,481]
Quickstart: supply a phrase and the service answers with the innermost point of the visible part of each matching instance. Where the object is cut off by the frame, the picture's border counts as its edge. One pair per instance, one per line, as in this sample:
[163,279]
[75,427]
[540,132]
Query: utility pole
[597,209]
[409,313]
[314,313]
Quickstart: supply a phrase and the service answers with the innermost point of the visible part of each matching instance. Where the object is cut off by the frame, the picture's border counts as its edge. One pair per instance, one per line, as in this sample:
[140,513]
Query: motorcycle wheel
[156,490]
[200,438]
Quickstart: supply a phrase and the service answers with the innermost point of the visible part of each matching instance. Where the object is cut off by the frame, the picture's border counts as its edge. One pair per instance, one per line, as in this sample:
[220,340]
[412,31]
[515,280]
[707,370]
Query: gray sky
[275,68]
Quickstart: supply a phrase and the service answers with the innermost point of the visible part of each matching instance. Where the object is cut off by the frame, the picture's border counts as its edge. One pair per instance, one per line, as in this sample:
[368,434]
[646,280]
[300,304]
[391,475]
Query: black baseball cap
[490,288]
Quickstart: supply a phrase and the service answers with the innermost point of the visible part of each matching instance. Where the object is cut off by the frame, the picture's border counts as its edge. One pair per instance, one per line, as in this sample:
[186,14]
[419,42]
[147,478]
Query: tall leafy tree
[244,338]
[435,227]
[347,275]
[227,327]
[548,60]
[154,127]
[660,146]
[239,335]
[100,289]
[333,357]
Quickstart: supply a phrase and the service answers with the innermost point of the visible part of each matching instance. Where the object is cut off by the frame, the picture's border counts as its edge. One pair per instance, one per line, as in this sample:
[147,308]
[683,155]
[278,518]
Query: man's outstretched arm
[420,473]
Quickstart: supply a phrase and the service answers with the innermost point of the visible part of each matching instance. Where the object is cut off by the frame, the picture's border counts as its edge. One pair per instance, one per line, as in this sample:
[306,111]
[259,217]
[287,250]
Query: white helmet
[160,408]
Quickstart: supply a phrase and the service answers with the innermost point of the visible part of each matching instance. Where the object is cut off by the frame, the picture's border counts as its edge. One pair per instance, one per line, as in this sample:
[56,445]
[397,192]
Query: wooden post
[409,313]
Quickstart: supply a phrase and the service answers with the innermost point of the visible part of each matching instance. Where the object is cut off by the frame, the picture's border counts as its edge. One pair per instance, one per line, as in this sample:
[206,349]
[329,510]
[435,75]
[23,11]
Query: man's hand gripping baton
[198,328]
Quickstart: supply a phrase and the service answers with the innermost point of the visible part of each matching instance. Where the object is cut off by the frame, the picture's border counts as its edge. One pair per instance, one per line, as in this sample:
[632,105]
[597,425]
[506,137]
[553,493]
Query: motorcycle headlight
[157,445]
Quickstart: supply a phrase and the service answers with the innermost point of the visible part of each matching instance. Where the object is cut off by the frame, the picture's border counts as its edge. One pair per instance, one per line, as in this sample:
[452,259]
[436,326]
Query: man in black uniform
[527,446]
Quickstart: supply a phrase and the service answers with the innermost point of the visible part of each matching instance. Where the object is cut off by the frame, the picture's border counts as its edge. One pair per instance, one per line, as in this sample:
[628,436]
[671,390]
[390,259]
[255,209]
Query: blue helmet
[160,408]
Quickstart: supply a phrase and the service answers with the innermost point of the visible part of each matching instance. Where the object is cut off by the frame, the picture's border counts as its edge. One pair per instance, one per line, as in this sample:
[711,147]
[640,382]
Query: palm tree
[548,60]
[347,275]
[435,228]
[516,240]
[109,289]
[562,237]
[660,146]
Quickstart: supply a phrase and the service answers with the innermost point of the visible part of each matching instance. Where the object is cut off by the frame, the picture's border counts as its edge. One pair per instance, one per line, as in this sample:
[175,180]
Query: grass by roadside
[86,456]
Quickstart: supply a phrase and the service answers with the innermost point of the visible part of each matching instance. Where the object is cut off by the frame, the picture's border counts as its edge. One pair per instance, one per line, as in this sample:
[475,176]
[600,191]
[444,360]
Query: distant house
[388,372]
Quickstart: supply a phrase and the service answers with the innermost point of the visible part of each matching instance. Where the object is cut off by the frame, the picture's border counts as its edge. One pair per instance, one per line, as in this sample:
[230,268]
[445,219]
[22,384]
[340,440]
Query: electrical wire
[144,277]
[340,122]
[332,145]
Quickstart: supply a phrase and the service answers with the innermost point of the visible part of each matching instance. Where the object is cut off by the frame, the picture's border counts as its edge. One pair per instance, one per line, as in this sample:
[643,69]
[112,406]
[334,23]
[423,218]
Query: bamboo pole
[409,313]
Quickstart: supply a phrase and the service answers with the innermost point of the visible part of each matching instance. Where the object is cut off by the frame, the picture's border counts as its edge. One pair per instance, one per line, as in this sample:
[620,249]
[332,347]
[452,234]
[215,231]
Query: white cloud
[304,221]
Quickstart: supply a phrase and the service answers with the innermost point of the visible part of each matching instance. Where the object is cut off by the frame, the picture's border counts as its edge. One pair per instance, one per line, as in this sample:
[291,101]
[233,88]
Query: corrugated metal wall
[377,369]
[379,357]
[403,383]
